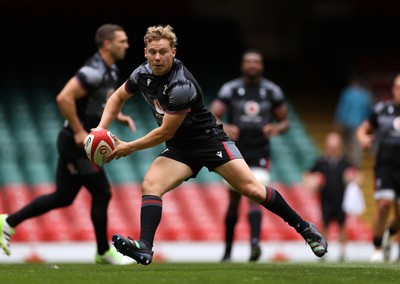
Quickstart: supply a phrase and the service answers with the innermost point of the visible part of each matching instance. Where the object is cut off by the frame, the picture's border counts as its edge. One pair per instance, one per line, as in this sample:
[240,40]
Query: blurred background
[310,47]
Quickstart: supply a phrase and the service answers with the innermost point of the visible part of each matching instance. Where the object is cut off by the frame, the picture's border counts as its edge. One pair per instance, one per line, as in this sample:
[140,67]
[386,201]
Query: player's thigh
[164,175]
[238,174]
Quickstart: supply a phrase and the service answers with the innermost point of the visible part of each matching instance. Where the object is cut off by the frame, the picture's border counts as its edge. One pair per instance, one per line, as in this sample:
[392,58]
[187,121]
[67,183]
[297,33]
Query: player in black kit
[256,111]
[384,126]
[81,102]
[193,140]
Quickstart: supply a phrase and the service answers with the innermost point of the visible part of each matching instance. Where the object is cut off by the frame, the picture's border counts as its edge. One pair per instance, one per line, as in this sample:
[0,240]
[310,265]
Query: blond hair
[156,33]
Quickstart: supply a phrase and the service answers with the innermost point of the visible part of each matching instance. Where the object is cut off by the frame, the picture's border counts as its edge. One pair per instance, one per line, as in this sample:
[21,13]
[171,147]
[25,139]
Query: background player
[383,125]
[81,102]
[256,110]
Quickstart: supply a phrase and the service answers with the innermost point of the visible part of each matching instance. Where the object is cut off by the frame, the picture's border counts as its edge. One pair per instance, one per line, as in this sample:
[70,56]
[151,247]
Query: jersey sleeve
[278,98]
[225,93]
[89,77]
[131,85]
[180,97]
[373,117]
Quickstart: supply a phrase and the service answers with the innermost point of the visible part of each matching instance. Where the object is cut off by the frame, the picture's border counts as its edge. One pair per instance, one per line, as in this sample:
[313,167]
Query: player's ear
[107,43]
[174,51]
[145,52]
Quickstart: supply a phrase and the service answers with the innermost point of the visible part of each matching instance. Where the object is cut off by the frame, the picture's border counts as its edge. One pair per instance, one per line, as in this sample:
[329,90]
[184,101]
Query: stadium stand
[29,124]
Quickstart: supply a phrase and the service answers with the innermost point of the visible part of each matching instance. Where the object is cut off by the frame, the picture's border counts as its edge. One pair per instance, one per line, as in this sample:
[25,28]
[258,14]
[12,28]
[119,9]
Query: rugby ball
[98,144]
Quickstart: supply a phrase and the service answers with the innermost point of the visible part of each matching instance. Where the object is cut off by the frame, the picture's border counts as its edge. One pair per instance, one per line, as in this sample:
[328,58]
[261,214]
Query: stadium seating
[30,122]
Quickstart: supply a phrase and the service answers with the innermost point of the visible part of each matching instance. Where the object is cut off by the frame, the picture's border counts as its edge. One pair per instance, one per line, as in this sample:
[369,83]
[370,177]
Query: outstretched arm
[113,107]
[166,131]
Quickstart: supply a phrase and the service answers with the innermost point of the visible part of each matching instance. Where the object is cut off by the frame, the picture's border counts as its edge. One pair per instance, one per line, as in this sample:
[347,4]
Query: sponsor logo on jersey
[158,107]
[219,154]
[148,82]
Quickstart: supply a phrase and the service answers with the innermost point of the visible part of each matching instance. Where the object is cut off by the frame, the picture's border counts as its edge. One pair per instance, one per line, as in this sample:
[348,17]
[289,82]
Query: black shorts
[331,213]
[256,157]
[72,159]
[211,153]
[387,179]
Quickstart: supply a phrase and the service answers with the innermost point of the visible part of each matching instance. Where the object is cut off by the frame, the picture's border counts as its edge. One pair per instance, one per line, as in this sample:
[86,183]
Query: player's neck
[107,58]
[252,81]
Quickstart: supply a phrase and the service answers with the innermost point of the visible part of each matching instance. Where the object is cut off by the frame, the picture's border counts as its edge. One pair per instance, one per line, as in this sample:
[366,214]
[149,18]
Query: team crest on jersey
[165,89]
[252,108]
[396,124]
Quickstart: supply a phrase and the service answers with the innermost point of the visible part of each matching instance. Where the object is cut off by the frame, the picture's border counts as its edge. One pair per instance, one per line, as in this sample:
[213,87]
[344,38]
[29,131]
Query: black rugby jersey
[332,191]
[175,92]
[250,108]
[385,118]
[100,81]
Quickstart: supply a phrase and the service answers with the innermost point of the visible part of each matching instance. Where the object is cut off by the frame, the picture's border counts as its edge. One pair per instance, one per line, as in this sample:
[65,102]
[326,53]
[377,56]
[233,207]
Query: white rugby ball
[98,144]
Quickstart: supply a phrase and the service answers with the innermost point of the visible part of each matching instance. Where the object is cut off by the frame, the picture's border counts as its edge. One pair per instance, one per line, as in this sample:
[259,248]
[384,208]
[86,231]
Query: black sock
[393,230]
[150,217]
[377,242]
[230,222]
[254,218]
[275,203]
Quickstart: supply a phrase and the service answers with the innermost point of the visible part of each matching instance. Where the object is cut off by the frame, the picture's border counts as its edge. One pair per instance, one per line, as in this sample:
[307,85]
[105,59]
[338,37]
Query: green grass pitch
[202,273]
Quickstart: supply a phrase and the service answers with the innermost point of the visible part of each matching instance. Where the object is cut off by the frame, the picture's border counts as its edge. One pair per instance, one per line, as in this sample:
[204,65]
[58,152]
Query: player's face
[252,65]
[396,90]
[119,45]
[160,56]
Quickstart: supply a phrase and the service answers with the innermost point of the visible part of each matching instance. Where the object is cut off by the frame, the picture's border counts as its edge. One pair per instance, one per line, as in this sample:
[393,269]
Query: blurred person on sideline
[383,126]
[81,102]
[354,106]
[256,111]
[193,140]
[329,177]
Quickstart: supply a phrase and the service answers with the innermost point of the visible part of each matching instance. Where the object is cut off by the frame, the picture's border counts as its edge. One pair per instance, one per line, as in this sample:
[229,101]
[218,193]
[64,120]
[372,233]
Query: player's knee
[255,194]
[150,188]
[384,206]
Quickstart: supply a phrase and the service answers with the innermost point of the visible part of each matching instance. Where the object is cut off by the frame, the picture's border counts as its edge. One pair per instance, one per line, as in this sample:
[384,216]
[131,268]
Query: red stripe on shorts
[227,150]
